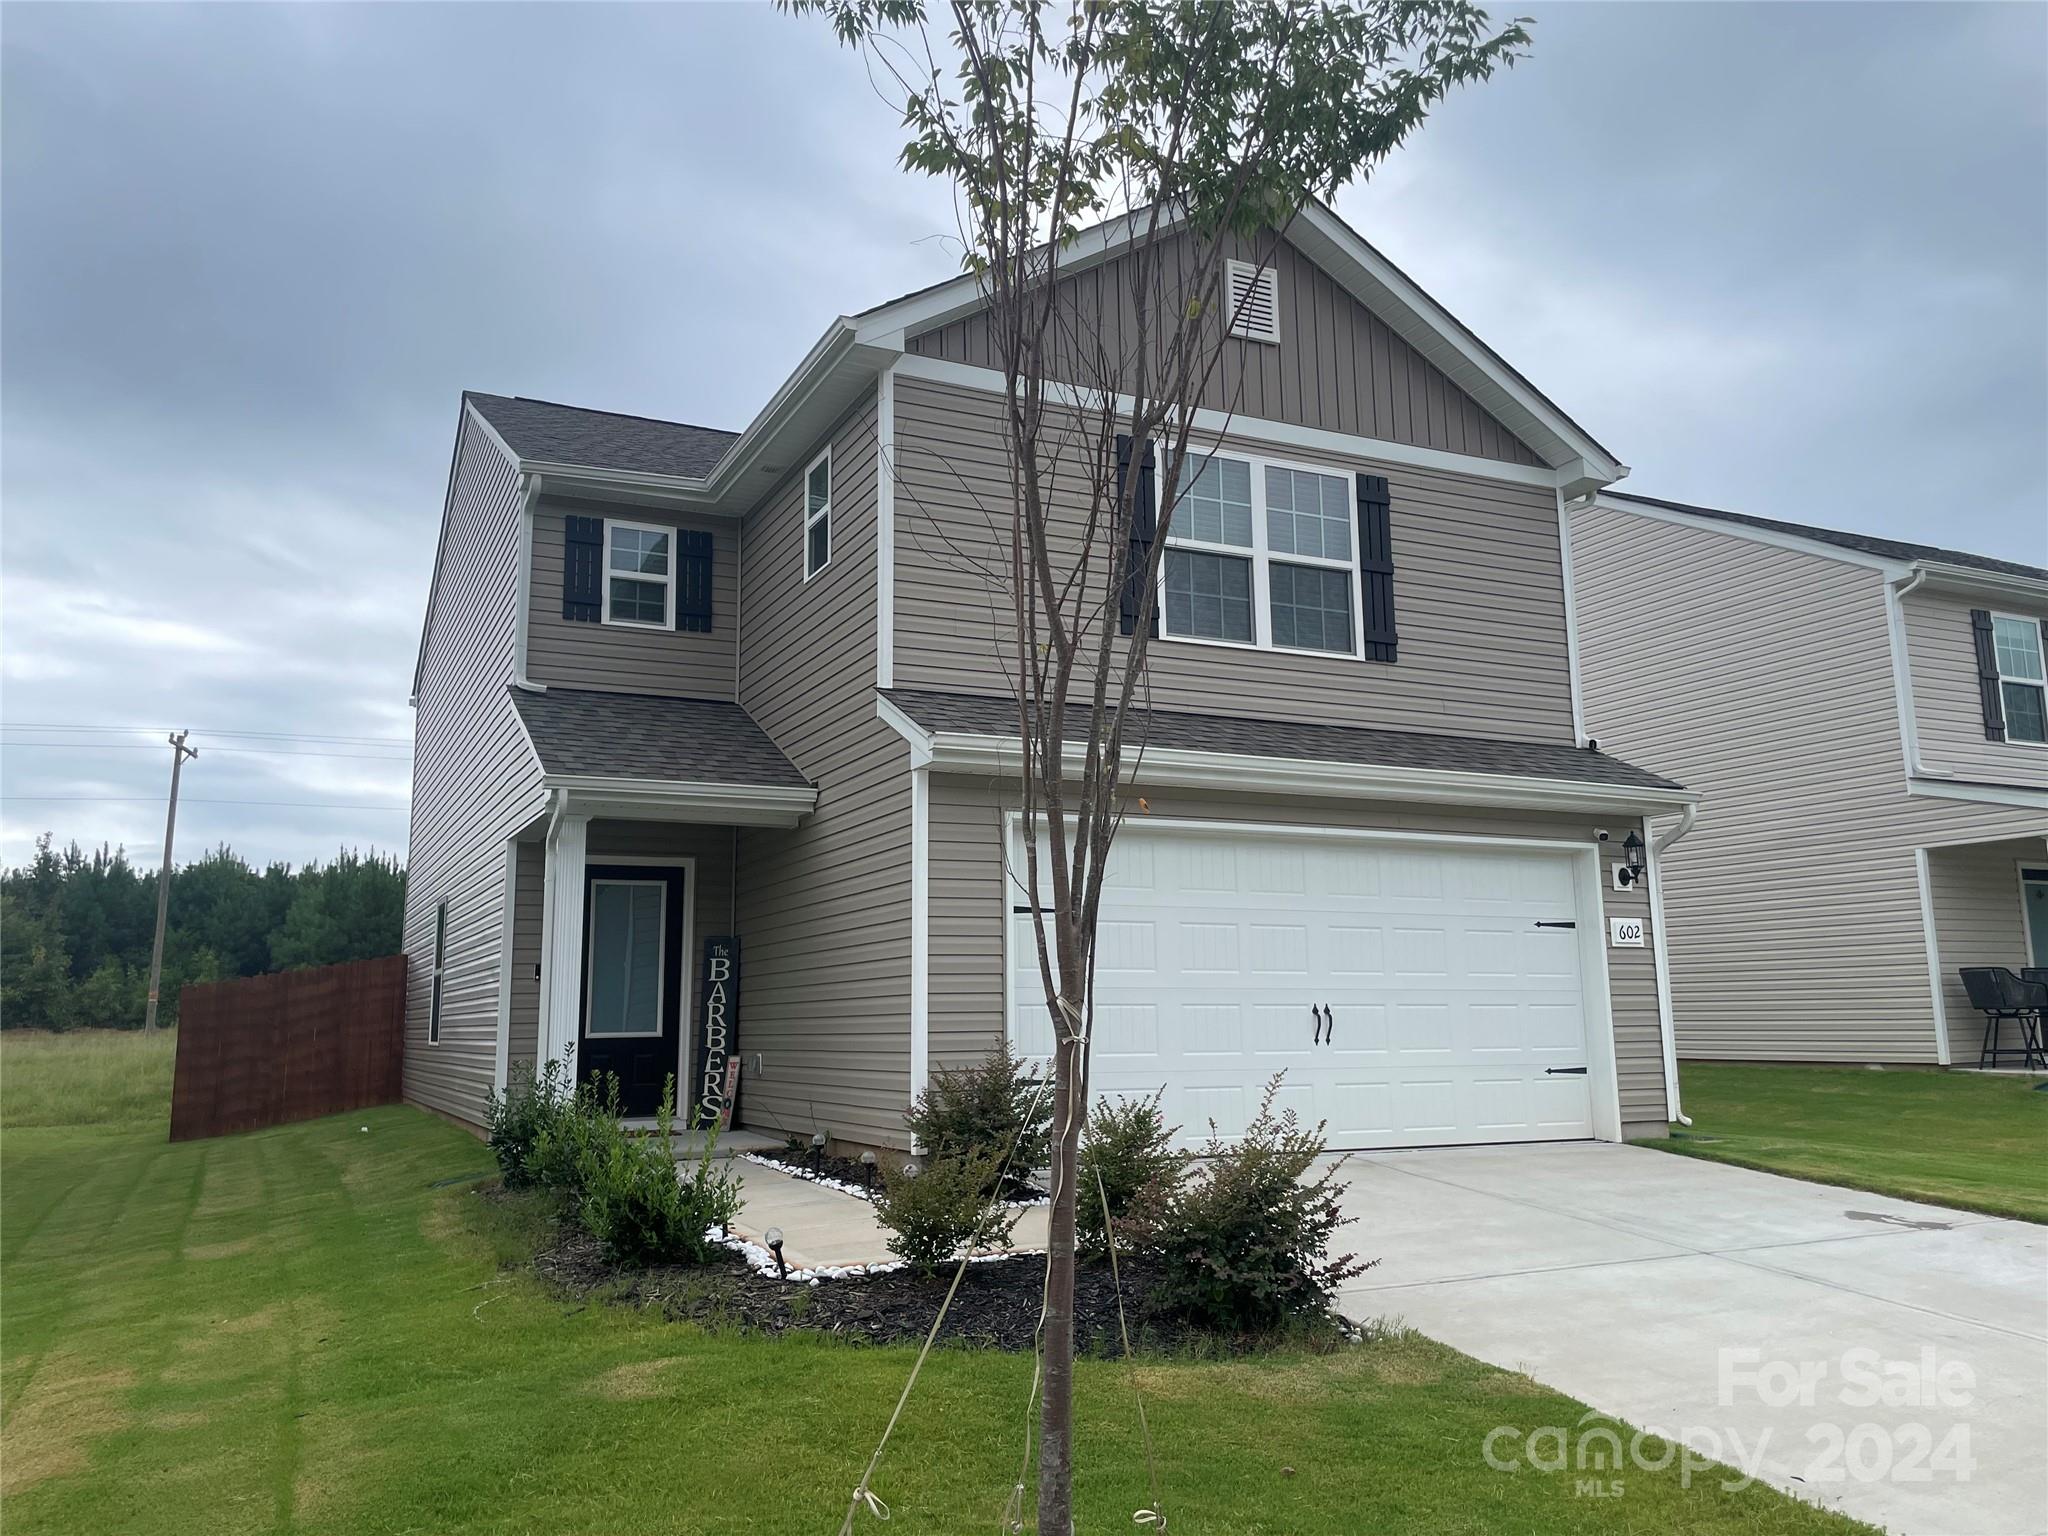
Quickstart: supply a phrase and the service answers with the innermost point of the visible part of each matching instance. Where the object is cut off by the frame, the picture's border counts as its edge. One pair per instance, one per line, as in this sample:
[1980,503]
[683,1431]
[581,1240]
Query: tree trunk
[1056,1415]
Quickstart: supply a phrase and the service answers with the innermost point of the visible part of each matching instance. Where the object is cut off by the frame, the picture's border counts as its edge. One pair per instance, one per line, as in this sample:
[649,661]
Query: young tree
[1198,130]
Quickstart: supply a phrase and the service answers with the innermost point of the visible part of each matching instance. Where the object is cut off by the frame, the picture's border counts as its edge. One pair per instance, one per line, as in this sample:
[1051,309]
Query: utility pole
[179,752]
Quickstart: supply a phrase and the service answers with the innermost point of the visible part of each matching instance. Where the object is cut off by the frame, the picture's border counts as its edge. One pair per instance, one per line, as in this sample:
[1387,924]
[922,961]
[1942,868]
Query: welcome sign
[718,1086]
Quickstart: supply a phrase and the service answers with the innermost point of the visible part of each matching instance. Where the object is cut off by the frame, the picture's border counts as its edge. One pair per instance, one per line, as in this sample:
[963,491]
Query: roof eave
[744,805]
[1972,581]
[1182,768]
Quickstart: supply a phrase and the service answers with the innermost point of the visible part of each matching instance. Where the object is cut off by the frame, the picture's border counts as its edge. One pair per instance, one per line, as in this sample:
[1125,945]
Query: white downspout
[1666,1027]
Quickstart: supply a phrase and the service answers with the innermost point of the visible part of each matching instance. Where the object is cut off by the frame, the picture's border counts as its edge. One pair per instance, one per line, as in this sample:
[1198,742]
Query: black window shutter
[1376,564]
[1144,529]
[693,580]
[583,569]
[1987,675]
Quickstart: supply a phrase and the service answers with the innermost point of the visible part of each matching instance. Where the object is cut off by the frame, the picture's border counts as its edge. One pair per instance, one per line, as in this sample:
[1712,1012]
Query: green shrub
[568,1138]
[530,1105]
[1245,1248]
[934,1209]
[633,1201]
[978,1112]
[1126,1148]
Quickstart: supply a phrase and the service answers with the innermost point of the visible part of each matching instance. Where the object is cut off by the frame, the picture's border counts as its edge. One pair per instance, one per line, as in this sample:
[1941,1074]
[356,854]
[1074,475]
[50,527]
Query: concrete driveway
[1886,1359]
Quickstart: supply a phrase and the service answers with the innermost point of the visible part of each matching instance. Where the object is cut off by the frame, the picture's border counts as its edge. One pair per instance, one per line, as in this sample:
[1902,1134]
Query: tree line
[76,928]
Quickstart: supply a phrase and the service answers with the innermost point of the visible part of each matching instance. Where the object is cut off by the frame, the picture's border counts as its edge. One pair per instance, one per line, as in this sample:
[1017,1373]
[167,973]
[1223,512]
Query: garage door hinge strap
[1557,925]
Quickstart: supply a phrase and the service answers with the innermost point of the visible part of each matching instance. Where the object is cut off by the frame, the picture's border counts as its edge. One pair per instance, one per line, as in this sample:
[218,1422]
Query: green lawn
[308,1329]
[1976,1143]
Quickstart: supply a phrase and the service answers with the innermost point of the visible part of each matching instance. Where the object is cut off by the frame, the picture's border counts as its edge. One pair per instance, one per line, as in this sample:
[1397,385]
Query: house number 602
[1626,930]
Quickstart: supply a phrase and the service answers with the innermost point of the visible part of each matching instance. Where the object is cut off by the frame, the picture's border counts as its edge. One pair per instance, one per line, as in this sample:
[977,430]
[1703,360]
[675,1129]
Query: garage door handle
[1564,1071]
[1315,1035]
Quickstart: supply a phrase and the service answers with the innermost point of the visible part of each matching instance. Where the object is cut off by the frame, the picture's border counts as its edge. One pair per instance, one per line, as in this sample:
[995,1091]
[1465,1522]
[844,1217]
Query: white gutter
[963,752]
[1666,1025]
[1896,590]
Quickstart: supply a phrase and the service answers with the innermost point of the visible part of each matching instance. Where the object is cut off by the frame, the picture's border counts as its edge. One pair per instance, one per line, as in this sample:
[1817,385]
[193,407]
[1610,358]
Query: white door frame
[1603,1087]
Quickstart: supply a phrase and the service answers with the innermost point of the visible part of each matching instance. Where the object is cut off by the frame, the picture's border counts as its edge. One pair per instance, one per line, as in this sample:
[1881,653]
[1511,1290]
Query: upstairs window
[440,972]
[1262,554]
[639,574]
[2022,679]
[818,515]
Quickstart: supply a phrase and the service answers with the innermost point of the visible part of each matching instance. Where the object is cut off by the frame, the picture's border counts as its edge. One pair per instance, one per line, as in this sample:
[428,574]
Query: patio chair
[1999,995]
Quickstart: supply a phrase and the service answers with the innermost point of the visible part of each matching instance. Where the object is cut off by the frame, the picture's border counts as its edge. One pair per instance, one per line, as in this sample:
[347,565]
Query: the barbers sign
[717,1085]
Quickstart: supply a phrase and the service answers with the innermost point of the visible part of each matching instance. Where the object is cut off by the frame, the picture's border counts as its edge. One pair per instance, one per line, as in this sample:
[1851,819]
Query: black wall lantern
[1632,869]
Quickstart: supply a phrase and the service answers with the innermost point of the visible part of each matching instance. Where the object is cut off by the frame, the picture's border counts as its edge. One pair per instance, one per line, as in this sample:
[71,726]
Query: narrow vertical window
[440,970]
[2022,677]
[818,515]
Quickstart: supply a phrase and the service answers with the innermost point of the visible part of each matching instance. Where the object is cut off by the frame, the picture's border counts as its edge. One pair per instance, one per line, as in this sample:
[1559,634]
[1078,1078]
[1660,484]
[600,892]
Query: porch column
[562,943]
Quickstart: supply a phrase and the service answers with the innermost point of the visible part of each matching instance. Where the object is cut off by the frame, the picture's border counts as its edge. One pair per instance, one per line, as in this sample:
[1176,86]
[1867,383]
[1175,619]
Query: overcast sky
[1789,260]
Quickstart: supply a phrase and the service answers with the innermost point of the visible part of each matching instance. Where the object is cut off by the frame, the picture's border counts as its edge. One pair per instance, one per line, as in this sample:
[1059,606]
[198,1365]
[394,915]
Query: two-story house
[1867,723]
[715,746]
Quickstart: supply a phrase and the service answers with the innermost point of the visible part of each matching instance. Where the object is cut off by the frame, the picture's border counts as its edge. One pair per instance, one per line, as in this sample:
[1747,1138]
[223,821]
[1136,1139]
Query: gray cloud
[1782,258]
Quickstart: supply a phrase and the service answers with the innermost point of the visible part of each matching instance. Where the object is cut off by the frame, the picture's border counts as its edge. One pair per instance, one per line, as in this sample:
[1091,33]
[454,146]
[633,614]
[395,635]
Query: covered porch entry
[1986,904]
[623,949]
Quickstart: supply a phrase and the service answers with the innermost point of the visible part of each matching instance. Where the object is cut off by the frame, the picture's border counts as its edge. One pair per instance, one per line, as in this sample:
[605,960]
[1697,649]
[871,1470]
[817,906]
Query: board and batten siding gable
[1478,592]
[824,908]
[971,897]
[476,782]
[1337,365]
[629,658]
[1761,677]
[1948,711]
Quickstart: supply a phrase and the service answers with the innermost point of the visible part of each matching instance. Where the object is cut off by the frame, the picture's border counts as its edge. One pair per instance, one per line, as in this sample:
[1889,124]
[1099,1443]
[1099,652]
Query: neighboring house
[1864,720]
[680,686]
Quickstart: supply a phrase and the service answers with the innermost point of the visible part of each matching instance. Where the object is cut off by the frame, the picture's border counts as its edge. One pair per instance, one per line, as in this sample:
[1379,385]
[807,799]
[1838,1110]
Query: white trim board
[1930,935]
[1604,1088]
[953,752]
[885,529]
[1229,426]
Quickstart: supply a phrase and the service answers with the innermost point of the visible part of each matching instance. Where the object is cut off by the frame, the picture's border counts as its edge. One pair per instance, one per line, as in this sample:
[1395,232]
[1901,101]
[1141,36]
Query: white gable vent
[1254,297]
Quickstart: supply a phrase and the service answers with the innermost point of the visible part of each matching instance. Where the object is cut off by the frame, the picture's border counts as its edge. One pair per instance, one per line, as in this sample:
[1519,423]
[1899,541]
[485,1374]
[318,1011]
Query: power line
[361,741]
[191,799]
[128,746]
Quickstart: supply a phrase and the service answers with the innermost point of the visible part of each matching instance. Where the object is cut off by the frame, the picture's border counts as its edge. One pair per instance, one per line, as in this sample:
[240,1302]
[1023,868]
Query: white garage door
[1417,994]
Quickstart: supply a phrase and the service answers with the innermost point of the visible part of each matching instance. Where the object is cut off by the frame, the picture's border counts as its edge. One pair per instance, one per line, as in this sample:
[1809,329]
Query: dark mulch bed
[850,1170]
[997,1306]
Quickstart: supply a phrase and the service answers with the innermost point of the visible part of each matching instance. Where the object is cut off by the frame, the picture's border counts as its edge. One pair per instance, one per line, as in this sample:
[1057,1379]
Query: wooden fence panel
[268,1050]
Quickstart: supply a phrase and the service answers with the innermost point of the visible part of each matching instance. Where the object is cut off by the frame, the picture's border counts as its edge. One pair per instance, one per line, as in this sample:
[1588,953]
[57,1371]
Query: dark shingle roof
[980,714]
[569,434]
[644,736]
[1862,543]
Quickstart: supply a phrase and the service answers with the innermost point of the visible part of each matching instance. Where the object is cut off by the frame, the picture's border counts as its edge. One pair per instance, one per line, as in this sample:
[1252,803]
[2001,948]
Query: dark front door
[633,981]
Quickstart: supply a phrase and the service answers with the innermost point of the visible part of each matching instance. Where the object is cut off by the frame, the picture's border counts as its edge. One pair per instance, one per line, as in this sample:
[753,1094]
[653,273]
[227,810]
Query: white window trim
[660,966]
[1262,559]
[2041,682]
[1254,273]
[668,582]
[440,974]
[822,515]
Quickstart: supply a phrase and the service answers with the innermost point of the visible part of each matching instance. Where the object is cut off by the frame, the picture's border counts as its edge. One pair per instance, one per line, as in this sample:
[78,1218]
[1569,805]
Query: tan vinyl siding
[622,657]
[1975,892]
[528,888]
[475,783]
[824,909]
[1761,677]
[1337,366]
[1478,593]
[1948,709]
[969,901]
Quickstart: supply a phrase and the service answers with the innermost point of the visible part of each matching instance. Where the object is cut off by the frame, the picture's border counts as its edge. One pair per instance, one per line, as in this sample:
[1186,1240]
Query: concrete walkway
[824,1228]
[1686,1296]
